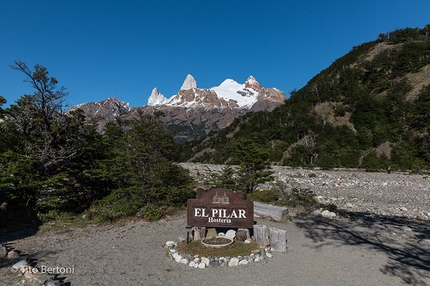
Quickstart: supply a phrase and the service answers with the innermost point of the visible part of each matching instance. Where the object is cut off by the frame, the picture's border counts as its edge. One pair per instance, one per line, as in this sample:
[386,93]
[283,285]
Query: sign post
[220,207]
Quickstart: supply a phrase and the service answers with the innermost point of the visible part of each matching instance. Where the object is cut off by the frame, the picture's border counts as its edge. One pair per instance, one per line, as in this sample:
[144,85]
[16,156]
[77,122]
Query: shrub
[265,196]
[303,198]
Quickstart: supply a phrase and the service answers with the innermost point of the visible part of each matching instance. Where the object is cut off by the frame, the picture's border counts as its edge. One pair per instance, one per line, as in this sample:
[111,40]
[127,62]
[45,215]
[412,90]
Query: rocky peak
[189,83]
[156,98]
[252,83]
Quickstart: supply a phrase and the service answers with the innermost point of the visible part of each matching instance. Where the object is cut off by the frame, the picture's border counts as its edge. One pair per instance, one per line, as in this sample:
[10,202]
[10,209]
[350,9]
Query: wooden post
[261,235]
[278,239]
[198,232]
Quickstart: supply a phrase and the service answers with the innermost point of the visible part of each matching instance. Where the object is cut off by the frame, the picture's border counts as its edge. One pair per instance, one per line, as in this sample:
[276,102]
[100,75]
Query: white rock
[177,257]
[202,265]
[233,262]
[231,234]
[170,243]
[192,264]
[247,241]
[425,242]
[328,214]
[184,261]
[206,261]
[21,265]
[316,213]
[243,262]
[269,255]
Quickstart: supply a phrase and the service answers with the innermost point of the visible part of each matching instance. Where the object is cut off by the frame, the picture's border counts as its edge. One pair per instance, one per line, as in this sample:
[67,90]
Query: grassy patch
[238,248]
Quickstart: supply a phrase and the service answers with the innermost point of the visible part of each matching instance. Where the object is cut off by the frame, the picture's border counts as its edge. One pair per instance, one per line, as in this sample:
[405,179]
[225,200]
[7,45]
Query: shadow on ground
[397,238]
[14,226]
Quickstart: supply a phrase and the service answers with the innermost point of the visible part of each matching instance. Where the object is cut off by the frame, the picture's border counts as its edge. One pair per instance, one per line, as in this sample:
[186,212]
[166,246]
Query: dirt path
[320,252]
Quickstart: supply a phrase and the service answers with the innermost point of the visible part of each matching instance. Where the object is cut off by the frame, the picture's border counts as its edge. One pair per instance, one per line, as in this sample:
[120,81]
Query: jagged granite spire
[189,83]
[156,98]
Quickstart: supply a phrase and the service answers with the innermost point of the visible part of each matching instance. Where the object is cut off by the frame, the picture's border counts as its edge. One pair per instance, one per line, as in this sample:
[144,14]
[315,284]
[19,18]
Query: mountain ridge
[193,112]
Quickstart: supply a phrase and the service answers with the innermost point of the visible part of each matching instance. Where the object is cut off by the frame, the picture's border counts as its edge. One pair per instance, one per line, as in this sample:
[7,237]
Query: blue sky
[98,49]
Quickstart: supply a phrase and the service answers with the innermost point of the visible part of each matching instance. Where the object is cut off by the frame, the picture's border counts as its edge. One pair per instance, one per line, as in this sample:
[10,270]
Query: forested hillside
[369,109]
[53,164]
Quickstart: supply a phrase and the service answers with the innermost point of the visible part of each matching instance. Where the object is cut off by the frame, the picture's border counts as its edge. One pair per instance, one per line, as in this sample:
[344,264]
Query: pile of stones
[204,262]
[27,274]
[201,262]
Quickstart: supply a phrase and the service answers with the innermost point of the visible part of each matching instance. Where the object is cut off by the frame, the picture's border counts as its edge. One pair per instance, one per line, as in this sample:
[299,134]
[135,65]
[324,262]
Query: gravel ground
[383,246]
[396,194]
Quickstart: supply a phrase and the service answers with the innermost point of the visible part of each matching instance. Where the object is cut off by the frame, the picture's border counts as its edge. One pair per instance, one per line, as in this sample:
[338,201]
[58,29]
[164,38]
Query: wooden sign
[220,207]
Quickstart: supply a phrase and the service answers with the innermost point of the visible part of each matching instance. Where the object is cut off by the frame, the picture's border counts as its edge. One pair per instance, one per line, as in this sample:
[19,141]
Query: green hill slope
[369,109]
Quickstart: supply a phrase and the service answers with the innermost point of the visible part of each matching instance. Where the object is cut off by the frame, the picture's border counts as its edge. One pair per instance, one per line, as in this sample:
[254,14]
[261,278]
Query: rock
[406,228]
[177,257]
[215,264]
[211,233]
[12,255]
[192,264]
[247,241]
[20,266]
[206,261]
[3,251]
[316,213]
[170,243]
[233,262]
[242,234]
[243,262]
[53,283]
[425,242]
[184,261]
[328,214]
[231,234]
[202,265]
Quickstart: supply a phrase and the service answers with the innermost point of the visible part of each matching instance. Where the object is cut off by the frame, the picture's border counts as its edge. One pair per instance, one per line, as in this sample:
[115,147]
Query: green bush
[265,196]
[300,198]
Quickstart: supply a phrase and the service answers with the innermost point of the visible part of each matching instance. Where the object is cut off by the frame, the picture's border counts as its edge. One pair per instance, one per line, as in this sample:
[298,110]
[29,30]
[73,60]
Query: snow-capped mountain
[228,94]
[156,98]
[194,112]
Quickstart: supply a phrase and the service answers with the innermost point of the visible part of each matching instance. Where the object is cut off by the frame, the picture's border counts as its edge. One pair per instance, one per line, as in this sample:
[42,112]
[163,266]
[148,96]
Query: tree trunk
[268,211]
[261,235]
[278,239]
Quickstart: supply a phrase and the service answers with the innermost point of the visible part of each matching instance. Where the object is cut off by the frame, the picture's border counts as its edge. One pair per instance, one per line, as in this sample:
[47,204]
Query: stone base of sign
[242,234]
[211,233]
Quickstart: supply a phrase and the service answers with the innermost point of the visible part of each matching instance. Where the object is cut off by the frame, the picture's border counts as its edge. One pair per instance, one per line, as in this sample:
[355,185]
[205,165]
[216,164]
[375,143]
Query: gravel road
[386,245]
